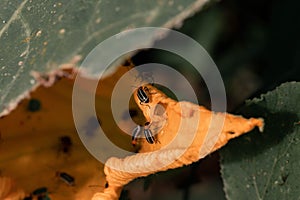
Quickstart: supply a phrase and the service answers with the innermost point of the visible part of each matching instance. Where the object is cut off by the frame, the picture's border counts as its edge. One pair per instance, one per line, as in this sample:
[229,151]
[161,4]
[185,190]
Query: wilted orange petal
[187,133]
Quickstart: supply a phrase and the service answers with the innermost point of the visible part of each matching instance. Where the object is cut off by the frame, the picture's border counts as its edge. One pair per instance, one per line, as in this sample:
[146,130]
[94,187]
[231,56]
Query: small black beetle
[40,191]
[65,144]
[149,136]
[143,97]
[135,133]
[66,178]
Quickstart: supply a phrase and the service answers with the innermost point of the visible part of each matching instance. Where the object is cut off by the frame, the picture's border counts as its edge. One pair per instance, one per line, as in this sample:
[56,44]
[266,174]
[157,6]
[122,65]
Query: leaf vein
[13,17]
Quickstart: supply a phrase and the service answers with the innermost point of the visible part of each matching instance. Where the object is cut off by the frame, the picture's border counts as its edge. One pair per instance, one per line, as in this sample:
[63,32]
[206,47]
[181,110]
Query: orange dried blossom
[184,133]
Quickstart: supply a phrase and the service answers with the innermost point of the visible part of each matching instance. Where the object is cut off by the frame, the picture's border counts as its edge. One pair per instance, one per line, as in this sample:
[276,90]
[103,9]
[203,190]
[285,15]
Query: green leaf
[40,35]
[266,165]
